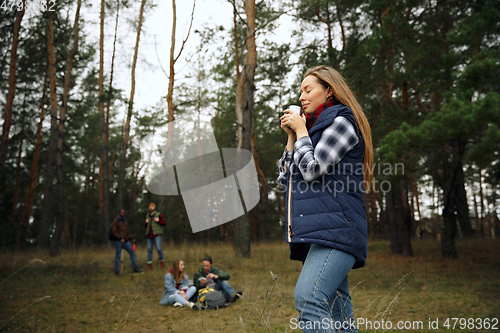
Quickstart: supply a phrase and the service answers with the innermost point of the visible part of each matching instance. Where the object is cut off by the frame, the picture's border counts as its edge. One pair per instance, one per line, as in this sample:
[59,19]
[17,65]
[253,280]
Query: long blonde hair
[329,77]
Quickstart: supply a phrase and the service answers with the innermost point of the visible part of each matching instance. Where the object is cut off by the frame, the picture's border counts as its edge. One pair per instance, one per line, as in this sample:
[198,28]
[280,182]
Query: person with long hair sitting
[177,290]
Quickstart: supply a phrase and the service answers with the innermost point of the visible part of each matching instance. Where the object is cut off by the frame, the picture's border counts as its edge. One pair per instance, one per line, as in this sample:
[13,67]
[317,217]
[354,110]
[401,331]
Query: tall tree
[18,170]
[7,121]
[244,108]
[171,76]
[33,176]
[104,165]
[111,90]
[44,233]
[61,216]
[121,174]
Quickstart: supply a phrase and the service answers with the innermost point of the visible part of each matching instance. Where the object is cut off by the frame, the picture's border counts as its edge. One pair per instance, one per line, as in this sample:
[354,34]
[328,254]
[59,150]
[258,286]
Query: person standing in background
[154,222]
[119,228]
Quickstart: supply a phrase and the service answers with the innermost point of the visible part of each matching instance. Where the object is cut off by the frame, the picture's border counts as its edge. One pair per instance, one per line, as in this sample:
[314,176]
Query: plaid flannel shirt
[160,222]
[336,140]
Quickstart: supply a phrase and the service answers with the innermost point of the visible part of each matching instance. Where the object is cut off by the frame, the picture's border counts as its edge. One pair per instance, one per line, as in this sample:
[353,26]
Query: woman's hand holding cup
[291,120]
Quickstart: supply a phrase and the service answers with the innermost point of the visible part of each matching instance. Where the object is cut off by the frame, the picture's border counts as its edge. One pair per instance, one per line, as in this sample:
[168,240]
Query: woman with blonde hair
[326,169]
[177,290]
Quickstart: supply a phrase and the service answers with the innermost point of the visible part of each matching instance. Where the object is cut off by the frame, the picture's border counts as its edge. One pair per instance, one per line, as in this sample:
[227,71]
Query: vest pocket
[345,207]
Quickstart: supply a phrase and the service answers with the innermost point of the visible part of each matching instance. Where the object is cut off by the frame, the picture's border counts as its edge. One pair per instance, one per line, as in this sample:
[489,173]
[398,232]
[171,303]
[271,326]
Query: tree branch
[271,20]
[189,31]
[232,2]
[157,57]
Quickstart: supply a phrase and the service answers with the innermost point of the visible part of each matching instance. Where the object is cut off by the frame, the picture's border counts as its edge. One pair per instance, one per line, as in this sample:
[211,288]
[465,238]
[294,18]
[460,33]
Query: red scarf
[311,118]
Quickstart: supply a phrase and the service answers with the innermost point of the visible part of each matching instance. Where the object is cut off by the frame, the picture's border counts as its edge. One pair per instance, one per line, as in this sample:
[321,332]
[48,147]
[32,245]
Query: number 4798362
[471,323]
[35,5]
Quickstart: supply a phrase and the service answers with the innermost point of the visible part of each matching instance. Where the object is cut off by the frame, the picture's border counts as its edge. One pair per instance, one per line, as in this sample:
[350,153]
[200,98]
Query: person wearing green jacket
[153,223]
[208,276]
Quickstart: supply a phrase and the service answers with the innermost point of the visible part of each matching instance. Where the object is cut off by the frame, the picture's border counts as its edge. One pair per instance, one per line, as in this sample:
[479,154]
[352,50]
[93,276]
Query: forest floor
[78,291]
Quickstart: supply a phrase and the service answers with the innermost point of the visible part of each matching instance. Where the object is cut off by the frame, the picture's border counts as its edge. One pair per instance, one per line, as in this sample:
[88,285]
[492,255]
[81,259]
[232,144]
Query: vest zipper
[289,213]
[345,218]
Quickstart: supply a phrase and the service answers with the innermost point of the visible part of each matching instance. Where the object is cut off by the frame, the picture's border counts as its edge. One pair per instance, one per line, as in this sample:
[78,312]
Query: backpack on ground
[211,299]
[111,235]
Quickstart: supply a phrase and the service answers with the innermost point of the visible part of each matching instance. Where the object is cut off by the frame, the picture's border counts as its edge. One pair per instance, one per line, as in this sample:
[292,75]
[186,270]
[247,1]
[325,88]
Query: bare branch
[189,31]
[157,57]
[271,20]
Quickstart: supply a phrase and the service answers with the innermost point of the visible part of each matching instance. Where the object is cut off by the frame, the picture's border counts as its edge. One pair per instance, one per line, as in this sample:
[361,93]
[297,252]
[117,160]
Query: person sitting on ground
[208,276]
[177,290]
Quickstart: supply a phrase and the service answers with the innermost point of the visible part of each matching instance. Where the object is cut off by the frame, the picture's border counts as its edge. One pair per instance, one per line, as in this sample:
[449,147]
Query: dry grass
[85,296]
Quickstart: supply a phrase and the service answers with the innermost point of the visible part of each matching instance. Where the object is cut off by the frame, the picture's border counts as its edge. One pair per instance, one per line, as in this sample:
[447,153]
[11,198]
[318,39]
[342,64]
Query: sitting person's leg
[176,298]
[225,286]
[190,292]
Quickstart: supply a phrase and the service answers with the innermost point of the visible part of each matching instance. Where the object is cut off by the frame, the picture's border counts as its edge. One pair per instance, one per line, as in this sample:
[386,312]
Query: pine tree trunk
[450,171]
[123,157]
[262,221]
[281,207]
[481,202]
[373,222]
[7,120]
[341,24]
[329,47]
[462,205]
[414,191]
[244,107]
[170,89]
[103,174]
[46,222]
[448,248]
[399,216]
[110,166]
[406,222]
[33,177]
[18,177]
[239,87]
[61,216]
[112,163]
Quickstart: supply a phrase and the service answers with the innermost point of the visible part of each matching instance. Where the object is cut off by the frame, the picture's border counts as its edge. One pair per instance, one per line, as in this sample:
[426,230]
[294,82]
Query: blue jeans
[322,294]
[178,298]
[128,247]
[157,241]
[224,285]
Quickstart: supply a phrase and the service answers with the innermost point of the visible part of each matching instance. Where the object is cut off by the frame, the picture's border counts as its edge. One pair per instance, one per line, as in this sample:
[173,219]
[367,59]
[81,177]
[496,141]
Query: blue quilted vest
[330,210]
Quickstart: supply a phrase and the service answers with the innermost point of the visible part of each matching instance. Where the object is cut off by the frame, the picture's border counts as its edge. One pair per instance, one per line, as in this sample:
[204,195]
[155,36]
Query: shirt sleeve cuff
[303,141]
[302,146]
[287,155]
